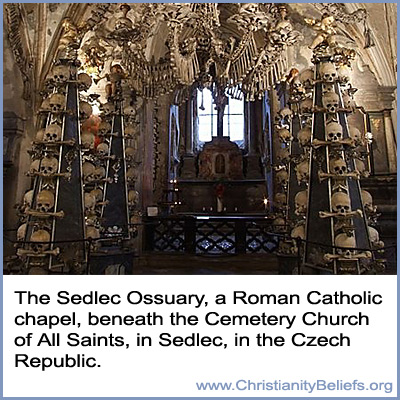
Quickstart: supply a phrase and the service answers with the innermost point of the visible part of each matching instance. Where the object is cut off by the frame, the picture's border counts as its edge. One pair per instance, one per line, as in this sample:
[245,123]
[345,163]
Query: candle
[265,201]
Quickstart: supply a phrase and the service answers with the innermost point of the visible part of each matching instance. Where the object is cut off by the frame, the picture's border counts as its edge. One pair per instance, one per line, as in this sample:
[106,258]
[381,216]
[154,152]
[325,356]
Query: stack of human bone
[39,209]
[340,157]
[283,127]
[300,88]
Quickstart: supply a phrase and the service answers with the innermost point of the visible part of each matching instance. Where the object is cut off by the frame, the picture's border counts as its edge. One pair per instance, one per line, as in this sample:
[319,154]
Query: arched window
[207,117]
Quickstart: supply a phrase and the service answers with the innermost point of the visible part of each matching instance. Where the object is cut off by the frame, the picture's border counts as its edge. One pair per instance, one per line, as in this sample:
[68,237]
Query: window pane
[207,117]
[204,128]
[235,106]
[236,123]
[214,124]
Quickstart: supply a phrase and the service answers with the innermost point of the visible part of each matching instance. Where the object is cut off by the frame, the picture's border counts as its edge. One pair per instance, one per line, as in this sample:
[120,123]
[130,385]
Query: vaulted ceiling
[36,28]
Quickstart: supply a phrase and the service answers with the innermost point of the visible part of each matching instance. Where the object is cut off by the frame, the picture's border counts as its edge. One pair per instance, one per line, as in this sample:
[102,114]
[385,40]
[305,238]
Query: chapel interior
[199,138]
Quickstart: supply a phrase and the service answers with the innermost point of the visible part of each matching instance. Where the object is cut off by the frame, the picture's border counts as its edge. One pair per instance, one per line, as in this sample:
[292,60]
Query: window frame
[213,114]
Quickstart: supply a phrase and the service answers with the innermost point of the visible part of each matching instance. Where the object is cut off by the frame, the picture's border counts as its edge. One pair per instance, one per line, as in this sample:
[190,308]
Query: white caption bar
[280,336]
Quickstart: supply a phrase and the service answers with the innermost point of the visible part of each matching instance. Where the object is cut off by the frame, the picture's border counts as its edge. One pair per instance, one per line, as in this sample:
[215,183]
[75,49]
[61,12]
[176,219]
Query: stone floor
[172,264]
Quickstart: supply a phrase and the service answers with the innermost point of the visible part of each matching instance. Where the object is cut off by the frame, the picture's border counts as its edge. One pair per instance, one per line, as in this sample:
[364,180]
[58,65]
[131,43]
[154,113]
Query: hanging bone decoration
[196,45]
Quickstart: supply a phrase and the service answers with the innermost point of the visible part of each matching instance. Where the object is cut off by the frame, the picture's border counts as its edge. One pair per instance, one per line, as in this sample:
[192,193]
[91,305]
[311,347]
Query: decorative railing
[210,235]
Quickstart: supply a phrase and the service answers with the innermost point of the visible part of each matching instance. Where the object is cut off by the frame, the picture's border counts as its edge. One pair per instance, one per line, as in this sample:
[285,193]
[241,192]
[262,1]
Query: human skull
[283,155]
[84,81]
[328,72]
[282,177]
[108,108]
[131,174]
[343,73]
[45,201]
[298,232]
[340,202]
[282,31]
[98,194]
[135,219]
[40,135]
[306,106]
[328,88]
[92,232]
[297,85]
[330,102]
[302,171]
[52,133]
[133,197]
[57,102]
[337,166]
[334,132]
[123,25]
[104,128]
[307,77]
[284,135]
[304,136]
[87,140]
[49,166]
[89,201]
[360,166]
[374,238]
[279,224]
[285,113]
[21,232]
[347,242]
[356,135]
[28,198]
[102,149]
[34,167]
[367,200]
[45,106]
[60,74]
[300,202]
[38,237]
[130,112]
[99,173]
[280,200]
[88,170]
[85,110]
[130,153]
[348,101]
[116,73]
[131,130]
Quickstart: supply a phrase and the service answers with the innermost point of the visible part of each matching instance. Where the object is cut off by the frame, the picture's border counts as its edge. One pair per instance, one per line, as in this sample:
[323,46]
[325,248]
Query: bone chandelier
[238,47]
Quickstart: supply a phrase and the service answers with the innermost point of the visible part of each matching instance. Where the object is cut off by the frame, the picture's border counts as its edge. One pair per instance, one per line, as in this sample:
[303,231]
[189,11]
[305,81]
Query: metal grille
[169,235]
[215,238]
[258,240]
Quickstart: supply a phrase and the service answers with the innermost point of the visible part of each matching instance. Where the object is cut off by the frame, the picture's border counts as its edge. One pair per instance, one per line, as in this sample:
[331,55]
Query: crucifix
[220,101]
